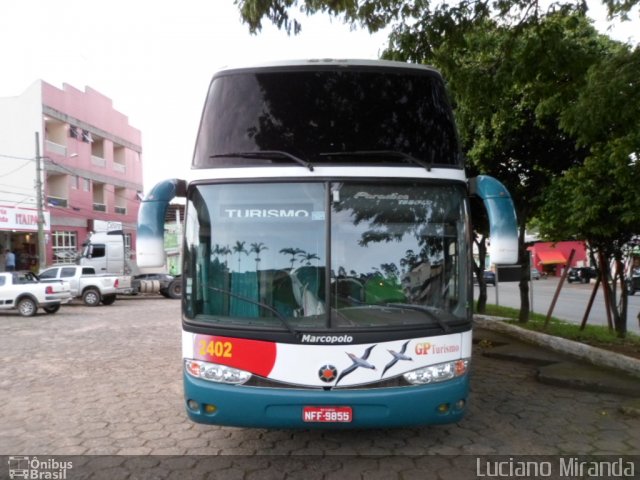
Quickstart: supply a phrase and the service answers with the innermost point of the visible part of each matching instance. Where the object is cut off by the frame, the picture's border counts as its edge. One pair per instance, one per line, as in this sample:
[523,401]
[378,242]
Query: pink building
[92,168]
[552,257]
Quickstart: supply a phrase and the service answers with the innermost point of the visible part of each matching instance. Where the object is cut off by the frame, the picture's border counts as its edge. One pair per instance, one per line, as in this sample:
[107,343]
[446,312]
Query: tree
[307,257]
[433,19]
[600,200]
[509,90]
[479,238]
[257,248]
[239,248]
[294,252]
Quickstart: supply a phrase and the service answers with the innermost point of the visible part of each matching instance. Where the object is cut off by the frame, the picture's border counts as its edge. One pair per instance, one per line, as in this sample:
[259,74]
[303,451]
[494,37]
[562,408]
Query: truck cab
[105,252]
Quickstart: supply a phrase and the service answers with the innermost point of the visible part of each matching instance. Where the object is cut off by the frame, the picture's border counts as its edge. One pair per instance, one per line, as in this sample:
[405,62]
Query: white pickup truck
[24,292]
[84,282]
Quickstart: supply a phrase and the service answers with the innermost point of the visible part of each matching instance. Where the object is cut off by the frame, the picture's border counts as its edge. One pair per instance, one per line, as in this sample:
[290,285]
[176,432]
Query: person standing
[9,260]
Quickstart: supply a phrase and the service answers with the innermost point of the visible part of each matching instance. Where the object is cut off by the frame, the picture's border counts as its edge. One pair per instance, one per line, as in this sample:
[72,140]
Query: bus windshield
[340,115]
[259,256]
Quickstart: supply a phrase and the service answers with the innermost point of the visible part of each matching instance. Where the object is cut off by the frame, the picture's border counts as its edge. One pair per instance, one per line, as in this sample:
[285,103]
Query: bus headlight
[215,372]
[438,373]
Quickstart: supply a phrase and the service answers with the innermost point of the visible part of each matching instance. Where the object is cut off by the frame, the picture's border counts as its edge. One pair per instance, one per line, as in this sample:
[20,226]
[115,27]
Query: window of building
[98,154]
[120,200]
[119,158]
[65,246]
[99,197]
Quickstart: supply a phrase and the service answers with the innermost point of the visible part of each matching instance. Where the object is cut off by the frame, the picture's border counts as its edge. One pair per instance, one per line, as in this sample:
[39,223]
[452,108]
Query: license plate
[327,414]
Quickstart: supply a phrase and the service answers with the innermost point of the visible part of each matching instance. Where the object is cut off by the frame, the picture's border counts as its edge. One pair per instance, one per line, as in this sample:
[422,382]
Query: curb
[595,356]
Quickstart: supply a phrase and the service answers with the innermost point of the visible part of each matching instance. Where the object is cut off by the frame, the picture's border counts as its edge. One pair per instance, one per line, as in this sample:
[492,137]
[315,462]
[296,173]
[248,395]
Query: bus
[326,248]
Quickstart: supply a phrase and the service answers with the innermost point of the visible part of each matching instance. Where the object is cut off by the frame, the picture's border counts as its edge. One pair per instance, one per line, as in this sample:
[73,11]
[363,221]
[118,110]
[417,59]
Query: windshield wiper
[266,154]
[419,308]
[387,153]
[282,319]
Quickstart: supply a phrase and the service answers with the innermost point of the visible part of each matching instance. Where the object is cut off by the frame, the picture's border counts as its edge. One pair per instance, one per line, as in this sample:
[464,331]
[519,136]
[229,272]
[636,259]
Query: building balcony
[99,207]
[98,161]
[119,167]
[120,210]
[53,147]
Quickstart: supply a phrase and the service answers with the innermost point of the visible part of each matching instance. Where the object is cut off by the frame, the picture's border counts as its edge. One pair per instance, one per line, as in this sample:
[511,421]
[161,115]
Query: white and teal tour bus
[326,250]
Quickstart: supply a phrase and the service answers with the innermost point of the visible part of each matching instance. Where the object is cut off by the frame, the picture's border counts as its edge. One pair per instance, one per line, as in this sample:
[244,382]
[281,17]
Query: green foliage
[510,85]
[601,198]
[608,106]
[599,201]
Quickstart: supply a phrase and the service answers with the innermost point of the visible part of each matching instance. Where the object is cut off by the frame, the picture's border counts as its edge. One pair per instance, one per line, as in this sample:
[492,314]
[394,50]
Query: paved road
[571,305]
[106,381]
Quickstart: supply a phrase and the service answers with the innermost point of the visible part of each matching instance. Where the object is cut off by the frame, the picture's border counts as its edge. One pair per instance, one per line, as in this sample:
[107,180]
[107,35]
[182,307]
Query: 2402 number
[216,349]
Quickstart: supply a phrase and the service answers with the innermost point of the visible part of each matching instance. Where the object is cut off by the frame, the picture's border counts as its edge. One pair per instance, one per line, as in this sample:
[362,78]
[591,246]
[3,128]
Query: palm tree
[226,251]
[294,252]
[218,251]
[308,257]
[257,248]
[239,248]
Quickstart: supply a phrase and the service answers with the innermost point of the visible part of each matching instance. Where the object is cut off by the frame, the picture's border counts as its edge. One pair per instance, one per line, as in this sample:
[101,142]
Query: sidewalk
[562,362]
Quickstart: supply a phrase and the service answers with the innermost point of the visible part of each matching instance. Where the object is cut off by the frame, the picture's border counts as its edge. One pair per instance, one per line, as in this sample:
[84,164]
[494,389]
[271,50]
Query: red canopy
[551,257]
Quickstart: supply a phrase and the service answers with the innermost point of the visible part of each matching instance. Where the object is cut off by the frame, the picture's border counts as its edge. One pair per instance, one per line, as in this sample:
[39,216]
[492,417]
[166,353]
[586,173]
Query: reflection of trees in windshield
[390,216]
[306,113]
[412,256]
[220,253]
[424,219]
[340,111]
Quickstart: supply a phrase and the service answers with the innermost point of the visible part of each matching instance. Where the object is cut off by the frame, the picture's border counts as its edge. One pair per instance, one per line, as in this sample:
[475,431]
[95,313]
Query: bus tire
[91,297]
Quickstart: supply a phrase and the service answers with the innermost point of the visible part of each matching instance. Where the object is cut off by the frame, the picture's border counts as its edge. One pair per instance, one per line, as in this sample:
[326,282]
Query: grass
[592,334]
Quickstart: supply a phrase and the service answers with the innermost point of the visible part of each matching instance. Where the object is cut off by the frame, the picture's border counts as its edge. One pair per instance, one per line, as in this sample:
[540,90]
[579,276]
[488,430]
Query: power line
[13,157]
[14,170]
[15,187]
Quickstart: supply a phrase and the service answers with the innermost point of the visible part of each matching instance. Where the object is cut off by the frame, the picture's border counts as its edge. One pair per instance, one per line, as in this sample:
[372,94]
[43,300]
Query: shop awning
[551,258]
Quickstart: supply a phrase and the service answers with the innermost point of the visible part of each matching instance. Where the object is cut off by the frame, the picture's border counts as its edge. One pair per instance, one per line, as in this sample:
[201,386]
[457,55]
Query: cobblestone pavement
[107,381]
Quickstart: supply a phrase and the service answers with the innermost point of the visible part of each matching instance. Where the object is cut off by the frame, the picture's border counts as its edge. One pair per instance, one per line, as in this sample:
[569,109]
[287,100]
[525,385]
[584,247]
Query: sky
[155,59]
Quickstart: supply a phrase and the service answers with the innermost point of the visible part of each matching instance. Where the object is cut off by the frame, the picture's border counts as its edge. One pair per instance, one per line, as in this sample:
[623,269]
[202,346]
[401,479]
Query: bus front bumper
[233,405]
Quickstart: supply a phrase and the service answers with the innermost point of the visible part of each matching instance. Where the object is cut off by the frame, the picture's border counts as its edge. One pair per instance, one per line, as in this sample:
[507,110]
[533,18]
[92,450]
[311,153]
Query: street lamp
[42,252]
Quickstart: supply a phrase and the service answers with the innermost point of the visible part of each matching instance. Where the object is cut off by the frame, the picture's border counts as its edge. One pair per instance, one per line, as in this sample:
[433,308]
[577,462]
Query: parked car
[24,291]
[84,283]
[581,274]
[489,277]
[535,274]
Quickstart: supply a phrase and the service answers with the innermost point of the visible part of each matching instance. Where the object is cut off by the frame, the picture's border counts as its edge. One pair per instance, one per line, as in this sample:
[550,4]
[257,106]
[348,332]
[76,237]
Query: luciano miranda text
[564,467]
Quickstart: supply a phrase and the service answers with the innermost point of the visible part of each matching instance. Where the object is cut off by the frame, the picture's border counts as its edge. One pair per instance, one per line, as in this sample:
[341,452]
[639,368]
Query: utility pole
[42,249]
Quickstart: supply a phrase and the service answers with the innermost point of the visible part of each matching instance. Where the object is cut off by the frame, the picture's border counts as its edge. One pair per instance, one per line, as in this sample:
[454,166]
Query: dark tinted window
[68,272]
[51,273]
[328,116]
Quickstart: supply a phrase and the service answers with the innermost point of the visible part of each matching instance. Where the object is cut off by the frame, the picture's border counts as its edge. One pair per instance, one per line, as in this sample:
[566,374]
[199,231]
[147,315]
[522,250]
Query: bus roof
[327,63]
